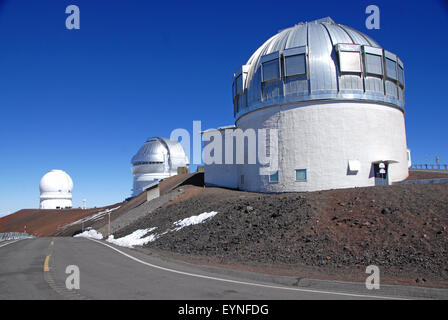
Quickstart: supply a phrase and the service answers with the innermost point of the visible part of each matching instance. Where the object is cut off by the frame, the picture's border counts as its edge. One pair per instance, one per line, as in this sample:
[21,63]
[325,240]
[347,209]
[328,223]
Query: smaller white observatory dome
[157,159]
[56,189]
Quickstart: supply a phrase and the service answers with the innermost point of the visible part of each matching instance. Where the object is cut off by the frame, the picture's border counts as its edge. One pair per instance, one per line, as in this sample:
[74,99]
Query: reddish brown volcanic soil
[42,223]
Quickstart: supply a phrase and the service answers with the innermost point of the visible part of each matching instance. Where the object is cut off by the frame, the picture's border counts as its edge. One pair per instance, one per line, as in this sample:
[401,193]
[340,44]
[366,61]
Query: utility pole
[108,213]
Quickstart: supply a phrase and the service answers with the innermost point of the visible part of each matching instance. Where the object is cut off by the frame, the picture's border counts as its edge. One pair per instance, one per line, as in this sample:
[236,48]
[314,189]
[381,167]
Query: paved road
[35,269]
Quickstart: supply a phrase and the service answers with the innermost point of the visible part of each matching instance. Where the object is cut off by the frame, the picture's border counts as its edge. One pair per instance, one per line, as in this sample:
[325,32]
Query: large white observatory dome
[157,159]
[318,60]
[336,99]
[56,189]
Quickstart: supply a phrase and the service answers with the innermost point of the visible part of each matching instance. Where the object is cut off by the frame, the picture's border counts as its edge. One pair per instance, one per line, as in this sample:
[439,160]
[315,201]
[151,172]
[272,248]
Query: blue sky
[85,100]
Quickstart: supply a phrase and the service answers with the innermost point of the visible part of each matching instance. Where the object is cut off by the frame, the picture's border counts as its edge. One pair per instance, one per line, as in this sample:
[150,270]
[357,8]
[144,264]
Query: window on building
[391,69]
[273,178]
[141,163]
[268,142]
[271,70]
[239,84]
[295,65]
[354,165]
[374,64]
[349,61]
[242,179]
[401,74]
[301,175]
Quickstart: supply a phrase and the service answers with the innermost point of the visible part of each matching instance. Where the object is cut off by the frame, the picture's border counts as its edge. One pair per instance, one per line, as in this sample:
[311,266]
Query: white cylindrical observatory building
[157,159]
[56,189]
[336,99]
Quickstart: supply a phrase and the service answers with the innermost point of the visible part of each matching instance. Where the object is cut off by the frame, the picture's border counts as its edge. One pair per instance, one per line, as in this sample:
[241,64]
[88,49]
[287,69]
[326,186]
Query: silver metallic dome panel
[157,159]
[318,60]
[154,150]
[163,154]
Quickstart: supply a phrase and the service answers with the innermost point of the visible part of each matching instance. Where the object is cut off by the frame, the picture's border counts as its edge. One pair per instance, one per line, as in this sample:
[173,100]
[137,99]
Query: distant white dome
[56,181]
[56,189]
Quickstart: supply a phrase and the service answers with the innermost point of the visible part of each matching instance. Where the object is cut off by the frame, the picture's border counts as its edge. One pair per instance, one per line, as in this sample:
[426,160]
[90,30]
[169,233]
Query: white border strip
[4,245]
[243,282]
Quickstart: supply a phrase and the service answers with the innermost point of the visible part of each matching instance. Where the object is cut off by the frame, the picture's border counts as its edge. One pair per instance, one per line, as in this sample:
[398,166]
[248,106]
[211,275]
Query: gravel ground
[401,228]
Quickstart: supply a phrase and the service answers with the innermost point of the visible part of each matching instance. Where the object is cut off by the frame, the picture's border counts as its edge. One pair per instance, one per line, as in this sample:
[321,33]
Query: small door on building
[381,173]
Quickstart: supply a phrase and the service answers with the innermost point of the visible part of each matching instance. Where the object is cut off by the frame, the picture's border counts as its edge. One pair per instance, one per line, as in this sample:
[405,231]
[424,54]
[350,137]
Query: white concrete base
[55,203]
[322,138]
[141,181]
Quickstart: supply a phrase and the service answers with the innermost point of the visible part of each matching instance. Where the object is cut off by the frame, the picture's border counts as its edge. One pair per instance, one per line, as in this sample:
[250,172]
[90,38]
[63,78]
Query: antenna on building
[84,204]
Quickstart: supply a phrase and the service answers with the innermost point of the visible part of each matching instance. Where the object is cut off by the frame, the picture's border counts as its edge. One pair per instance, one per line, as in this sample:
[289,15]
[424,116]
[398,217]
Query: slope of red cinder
[43,223]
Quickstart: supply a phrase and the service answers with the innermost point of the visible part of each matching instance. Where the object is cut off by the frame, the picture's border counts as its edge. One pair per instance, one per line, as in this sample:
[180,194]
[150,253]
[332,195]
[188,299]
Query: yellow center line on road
[47,260]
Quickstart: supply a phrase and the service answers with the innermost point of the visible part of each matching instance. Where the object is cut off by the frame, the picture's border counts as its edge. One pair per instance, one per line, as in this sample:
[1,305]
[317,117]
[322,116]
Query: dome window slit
[374,64]
[391,69]
[349,58]
[295,62]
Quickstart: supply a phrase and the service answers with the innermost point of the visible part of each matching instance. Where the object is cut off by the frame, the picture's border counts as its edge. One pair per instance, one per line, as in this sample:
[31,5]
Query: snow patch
[194,220]
[140,237]
[136,238]
[90,234]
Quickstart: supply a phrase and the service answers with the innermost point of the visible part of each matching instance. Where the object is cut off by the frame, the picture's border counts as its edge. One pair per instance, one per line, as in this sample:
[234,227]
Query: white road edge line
[4,245]
[243,282]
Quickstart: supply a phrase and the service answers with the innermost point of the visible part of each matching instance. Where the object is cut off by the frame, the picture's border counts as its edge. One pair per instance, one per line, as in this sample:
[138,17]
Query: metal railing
[430,166]
[14,236]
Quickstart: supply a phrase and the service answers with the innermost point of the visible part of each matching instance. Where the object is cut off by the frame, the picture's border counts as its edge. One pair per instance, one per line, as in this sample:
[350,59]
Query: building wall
[322,138]
[152,194]
[223,175]
[142,180]
[55,203]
